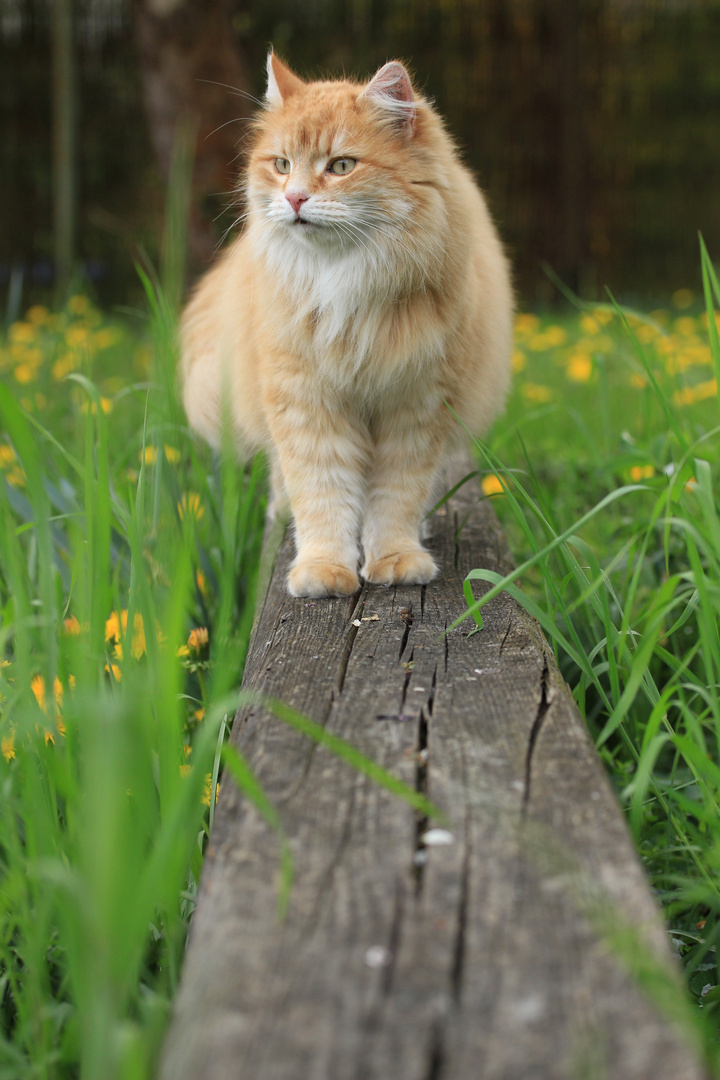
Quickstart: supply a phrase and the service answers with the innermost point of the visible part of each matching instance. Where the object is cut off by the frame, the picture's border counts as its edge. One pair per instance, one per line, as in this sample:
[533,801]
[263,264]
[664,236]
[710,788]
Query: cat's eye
[282,165]
[342,166]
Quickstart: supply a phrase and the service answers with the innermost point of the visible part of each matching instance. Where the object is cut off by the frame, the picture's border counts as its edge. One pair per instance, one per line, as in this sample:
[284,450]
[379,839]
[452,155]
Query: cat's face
[333,164]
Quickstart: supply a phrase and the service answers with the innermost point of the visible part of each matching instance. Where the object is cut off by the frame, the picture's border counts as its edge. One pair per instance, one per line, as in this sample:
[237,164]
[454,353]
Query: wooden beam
[403,959]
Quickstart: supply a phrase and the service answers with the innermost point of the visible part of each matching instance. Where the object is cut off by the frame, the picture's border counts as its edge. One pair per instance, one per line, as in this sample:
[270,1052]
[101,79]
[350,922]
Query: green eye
[342,166]
[282,165]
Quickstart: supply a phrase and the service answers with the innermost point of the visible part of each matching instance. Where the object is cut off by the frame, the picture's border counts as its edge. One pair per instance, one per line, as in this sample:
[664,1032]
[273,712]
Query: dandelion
[526,324]
[72,626]
[185,770]
[116,626]
[579,367]
[63,366]
[37,314]
[518,360]
[77,336]
[115,671]
[7,455]
[492,485]
[682,298]
[199,714]
[37,685]
[105,404]
[198,638]
[22,332]
[689,395]
[24,374]
[201,582]
[78,305]
[685,326]
[172,455]
[207,790]
[536,393]
[7,746]
[106,338]
[641,472]
[555,335]
[190,507]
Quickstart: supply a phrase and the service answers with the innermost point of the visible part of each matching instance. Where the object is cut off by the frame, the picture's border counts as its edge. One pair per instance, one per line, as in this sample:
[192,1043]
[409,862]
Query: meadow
[128,569]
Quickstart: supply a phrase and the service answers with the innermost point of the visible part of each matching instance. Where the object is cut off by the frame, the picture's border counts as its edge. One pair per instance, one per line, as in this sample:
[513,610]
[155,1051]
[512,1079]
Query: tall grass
[123,560]
[611,490]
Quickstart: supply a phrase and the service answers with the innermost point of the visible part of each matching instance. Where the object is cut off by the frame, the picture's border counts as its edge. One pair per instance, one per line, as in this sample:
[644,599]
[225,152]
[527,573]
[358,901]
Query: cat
[367,293]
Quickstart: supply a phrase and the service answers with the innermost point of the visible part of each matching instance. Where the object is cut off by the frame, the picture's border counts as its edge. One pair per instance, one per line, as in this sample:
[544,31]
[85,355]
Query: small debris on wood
[437,838]
[406,615]
[356,622]
[377,956]
[371,618]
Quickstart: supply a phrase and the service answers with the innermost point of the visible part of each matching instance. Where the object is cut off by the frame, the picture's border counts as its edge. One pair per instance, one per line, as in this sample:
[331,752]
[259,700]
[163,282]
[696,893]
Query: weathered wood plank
[477,958]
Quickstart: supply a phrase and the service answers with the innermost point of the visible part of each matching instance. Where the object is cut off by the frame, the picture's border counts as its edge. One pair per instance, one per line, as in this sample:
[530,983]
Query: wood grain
[485,957]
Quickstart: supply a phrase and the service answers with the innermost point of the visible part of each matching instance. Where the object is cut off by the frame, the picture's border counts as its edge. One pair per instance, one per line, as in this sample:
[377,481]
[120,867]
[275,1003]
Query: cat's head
[341,165]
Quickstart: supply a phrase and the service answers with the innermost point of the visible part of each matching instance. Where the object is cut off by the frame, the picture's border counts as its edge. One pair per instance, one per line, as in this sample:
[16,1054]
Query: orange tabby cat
[368,288]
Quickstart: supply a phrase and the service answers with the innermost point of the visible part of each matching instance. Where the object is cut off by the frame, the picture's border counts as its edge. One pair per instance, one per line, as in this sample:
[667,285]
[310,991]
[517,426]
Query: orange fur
[354,303]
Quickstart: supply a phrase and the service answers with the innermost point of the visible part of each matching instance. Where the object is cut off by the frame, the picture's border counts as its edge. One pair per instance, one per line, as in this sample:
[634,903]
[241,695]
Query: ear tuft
[282,83]
[391,89]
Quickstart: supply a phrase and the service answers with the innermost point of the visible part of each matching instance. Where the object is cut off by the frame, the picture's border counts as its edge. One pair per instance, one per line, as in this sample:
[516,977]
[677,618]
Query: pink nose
[296,199]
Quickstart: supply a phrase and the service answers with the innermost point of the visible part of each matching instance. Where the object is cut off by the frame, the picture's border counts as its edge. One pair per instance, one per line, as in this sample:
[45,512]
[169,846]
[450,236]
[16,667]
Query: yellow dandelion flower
[641,472]
[7,746]
[526,323]
[105,338]
[182,650]
[589,324]
[518,360]
[63,366]
[105,404]
[49,737]
[191,507]
[16,477]
[579,367]
[22,332]
[7,455]
[172,455]
[185,770]
[72,626]
[685,325]
[112,626]
[24,374]
[60,725]
[199,714]
[78,305]
[536,393]
[37,314]
[206,792]
[689,395]
[77,336]
[37,685]
[491,485]
[556,335]
[115,670]
[682,298]
[58,692]
[187,750]
[646,333]
[201,582]
[198,638]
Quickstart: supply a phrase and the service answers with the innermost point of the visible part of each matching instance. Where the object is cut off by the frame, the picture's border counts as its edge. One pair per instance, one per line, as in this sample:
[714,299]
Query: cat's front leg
[407,455]
[323,459]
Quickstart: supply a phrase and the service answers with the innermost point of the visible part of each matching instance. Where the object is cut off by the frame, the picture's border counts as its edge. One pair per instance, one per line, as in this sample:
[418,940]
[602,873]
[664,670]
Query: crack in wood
[436,1063]
[458,967]
[350,640]
[422,785]
[406,681]
[542,710]
[406,614]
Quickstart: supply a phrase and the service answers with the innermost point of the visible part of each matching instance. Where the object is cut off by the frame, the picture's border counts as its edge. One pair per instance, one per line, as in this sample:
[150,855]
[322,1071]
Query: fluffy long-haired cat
[367,290]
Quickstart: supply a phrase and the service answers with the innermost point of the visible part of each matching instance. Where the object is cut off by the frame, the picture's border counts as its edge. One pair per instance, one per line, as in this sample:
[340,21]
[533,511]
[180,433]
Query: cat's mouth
[303,221]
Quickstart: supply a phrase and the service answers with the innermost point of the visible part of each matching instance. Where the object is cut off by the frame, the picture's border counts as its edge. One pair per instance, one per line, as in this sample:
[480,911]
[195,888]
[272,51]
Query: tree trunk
[194,75]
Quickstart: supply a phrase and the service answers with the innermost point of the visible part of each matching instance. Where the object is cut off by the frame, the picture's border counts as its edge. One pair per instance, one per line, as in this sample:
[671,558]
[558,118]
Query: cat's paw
[322,579]
[401,568]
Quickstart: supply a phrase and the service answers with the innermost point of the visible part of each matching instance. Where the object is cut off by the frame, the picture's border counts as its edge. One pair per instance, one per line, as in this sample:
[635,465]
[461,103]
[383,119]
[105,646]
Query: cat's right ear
[282,83]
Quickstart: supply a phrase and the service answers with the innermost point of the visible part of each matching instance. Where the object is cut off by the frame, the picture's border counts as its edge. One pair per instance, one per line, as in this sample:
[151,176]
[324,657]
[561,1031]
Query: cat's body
[367,289]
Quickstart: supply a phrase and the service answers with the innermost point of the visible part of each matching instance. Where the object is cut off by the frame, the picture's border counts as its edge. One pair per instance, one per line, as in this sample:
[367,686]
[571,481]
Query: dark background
[592,125]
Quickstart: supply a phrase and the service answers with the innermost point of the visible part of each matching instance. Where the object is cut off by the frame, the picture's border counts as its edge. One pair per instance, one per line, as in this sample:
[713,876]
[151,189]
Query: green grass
[128,561]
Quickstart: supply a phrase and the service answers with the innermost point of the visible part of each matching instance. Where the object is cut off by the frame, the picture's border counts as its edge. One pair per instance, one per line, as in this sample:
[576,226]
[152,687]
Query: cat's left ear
[391,89]
[282,83]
